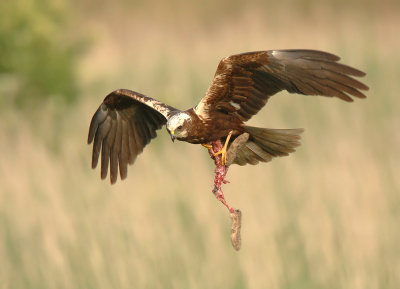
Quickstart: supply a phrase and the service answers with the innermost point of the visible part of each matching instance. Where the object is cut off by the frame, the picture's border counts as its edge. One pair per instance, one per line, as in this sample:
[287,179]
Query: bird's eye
[179,127]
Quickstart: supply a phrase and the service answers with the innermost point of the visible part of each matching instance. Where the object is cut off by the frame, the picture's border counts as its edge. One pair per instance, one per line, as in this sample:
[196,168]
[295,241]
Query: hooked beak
[172,134]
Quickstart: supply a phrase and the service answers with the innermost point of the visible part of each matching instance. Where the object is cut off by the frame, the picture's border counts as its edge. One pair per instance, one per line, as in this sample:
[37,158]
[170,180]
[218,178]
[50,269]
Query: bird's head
[177,125]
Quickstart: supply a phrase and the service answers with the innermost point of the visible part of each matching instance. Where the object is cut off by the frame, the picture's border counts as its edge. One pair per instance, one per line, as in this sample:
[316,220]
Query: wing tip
[94,164]
[361,73]
[356,72]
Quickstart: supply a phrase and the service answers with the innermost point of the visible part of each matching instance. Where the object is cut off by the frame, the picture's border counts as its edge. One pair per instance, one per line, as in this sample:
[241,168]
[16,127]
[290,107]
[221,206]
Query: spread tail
[264,144]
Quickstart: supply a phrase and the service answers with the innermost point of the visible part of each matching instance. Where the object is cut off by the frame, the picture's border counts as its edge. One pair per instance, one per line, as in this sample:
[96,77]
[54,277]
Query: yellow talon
[222,152]
[207,146]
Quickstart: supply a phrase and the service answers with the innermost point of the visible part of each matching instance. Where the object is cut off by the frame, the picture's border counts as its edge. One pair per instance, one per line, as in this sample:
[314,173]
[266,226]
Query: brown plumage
[126,121]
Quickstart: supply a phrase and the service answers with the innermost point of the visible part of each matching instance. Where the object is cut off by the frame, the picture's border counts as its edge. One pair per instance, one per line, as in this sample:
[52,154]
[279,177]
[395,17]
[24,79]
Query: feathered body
[126,121]
[203,130]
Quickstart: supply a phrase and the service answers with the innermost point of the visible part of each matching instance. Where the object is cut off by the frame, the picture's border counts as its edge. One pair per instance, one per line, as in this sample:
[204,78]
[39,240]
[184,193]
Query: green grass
[325,217]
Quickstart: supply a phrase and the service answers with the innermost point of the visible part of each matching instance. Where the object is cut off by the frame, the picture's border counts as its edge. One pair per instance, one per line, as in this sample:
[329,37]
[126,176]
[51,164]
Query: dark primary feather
[122,126]
[244,82]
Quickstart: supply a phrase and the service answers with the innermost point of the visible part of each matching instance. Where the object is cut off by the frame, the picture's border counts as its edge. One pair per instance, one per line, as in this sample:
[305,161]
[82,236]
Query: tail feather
[265,144]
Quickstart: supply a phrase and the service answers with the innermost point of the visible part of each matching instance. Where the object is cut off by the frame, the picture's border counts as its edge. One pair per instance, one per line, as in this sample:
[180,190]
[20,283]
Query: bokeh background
[328,216]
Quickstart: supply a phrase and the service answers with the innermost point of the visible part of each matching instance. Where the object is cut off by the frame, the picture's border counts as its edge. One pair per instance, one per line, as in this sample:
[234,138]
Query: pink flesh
[220,173]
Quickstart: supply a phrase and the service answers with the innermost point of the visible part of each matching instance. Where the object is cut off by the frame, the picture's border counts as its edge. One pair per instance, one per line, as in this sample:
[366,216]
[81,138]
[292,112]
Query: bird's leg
[222,152]
[220,174]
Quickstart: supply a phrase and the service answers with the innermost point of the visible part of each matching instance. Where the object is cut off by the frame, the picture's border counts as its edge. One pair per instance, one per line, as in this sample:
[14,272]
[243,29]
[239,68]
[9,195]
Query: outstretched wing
[243,83]
[123,125]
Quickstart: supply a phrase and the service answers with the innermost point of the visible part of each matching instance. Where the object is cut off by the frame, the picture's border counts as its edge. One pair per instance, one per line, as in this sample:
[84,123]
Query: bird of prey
[126,121]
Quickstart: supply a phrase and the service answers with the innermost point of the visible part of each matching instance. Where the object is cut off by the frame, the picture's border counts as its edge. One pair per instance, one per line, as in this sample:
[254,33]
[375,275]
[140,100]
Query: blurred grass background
[326,217]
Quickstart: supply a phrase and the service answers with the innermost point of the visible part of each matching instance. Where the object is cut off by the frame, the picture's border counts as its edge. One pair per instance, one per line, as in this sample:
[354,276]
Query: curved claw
[207,146]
